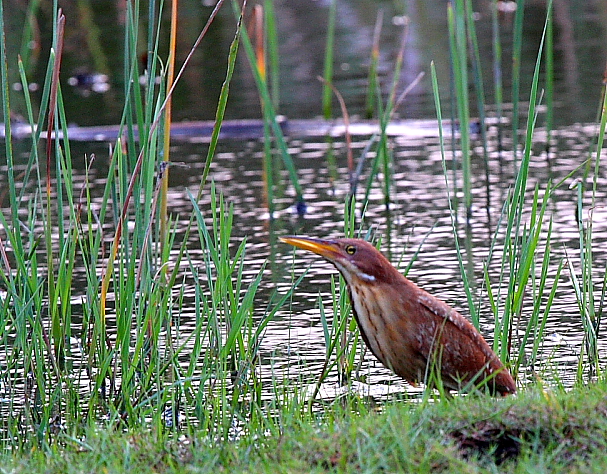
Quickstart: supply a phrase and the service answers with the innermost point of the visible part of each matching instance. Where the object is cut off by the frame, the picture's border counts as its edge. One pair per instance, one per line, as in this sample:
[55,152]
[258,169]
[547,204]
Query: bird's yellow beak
[325,248]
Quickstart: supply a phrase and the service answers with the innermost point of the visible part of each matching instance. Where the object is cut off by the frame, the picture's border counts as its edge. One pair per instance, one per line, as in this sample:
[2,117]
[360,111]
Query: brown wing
[465,355]
[406,331]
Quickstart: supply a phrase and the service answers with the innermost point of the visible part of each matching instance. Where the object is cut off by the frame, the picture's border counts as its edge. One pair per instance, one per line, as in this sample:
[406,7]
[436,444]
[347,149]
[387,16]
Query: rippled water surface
[416,229]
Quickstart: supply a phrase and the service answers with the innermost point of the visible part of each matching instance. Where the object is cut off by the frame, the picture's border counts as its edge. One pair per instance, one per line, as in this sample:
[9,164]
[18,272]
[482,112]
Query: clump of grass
[522,239]
[517,242]
[115,353]
[591,301]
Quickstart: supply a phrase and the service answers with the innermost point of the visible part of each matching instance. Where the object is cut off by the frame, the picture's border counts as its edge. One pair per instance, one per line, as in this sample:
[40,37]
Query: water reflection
[94,52]
[418,227]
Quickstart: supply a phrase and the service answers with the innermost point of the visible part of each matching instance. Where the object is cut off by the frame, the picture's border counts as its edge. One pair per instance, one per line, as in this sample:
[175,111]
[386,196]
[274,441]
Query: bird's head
[356,259]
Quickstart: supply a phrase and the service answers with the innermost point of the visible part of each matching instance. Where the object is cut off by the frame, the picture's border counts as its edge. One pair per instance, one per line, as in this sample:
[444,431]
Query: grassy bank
[536,431]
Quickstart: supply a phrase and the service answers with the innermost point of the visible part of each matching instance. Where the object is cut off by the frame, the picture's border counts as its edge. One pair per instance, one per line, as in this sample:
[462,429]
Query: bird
[416,335]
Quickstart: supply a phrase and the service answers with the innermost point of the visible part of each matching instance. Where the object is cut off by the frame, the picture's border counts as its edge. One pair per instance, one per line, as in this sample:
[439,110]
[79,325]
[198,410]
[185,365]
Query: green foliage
[522,240]
[269,113]
[116,353]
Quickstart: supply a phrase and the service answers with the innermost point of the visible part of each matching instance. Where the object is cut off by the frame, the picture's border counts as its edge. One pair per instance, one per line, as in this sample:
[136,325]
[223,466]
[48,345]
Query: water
[417,226]
[580,48]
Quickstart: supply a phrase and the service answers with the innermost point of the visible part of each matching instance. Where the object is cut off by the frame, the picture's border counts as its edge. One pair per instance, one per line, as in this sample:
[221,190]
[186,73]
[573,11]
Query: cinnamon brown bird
[410,331]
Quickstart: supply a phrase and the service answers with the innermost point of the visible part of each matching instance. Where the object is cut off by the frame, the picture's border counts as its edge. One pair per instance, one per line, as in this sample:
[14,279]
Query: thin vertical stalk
[260,63]
[549,88]
[479,88]
[273,52]
[52,115]
[167,129]
[327,94]
[458,39]
[373,91]
[223,99]
[497,71]
[29,33]
[6,111]
[348,136]
[517,43]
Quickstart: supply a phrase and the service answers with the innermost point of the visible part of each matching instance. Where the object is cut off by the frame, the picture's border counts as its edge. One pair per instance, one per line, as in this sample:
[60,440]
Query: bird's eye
[350,250]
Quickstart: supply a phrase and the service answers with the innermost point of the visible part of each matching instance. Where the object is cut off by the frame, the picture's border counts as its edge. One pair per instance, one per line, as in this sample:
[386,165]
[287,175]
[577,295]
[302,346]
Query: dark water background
[95,45]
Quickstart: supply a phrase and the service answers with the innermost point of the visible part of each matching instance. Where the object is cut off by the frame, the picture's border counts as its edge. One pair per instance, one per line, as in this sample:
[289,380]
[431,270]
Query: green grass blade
[327,93]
